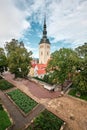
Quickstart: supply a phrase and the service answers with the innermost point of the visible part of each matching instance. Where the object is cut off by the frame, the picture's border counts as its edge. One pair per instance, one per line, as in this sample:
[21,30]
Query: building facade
[44,46]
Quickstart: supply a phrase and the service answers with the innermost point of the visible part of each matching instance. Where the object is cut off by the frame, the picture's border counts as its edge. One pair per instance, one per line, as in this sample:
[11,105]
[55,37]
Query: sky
[23,20]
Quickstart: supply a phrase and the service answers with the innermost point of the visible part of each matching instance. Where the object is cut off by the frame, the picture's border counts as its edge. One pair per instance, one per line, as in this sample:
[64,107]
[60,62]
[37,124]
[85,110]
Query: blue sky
[23,20]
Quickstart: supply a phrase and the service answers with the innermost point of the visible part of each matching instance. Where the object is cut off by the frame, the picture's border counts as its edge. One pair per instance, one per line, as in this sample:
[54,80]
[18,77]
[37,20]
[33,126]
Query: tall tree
[3,60]
[63,65]
[80,79]
[82,50]
[18,58]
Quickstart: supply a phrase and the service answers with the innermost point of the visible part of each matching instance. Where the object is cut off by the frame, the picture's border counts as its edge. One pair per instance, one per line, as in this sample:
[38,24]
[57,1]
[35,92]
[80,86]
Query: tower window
[41,46]
[47,53]
[48,47]
[41,53]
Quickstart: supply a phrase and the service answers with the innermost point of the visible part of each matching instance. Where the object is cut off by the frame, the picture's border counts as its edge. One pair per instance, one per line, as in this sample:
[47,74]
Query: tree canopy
[68,64]
[3,60]
[80,79]
[18,58]
[62,64]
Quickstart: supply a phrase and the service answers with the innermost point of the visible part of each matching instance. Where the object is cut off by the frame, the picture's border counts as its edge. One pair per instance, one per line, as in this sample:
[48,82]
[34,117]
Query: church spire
[44,28]
[44,37]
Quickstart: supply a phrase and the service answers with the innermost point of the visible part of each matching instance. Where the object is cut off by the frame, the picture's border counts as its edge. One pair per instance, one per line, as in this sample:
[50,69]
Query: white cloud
[12,21]
[66,19]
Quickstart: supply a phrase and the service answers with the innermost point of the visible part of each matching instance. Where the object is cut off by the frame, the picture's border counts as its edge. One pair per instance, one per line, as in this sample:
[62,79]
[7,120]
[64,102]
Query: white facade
[44,47]
[44,53]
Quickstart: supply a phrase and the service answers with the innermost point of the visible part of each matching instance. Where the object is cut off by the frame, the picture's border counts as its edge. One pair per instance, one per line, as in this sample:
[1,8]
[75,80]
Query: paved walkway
[20,121]
[35,89]
[72,110]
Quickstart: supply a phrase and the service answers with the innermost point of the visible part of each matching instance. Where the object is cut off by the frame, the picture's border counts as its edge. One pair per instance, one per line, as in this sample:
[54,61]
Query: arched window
[41,53]
[47,53]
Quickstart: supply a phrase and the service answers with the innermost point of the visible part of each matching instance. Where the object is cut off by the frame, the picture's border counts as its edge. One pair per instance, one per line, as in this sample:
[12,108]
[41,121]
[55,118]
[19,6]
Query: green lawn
[25,103]
[4,85]
[73,92]
[4,119]
[46,121]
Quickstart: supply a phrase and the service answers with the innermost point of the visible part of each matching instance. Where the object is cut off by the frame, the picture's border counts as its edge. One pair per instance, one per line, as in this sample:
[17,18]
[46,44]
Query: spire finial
[45,19]
[44,27]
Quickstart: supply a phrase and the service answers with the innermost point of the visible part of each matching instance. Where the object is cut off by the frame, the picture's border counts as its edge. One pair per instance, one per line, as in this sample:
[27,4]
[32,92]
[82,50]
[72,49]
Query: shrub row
[24,102]
[46,121]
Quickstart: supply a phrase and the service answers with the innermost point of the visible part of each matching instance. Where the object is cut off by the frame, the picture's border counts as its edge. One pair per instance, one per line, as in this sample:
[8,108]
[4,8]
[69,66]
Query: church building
[44,46]
[39,69]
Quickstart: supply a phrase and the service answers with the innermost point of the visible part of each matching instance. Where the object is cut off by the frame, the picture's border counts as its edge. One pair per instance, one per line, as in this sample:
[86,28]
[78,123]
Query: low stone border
[63,126]
[32,121]
[12,122]
[24,114]
[76,98]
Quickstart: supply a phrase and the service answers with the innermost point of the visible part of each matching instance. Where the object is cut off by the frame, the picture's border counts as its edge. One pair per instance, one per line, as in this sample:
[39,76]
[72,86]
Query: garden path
[70,109]
[20,121]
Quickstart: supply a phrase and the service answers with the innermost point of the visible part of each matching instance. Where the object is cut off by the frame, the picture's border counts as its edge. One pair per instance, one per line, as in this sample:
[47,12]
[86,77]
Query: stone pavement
[20,121]
[71,110]
[35,89]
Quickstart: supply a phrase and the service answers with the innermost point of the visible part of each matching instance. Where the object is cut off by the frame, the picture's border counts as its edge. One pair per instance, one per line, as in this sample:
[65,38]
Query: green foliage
[3,60]
[80,78]
[74,92]
[24,102]
[18,58]
[4,85]
[4,119]
[45,79]
[82,50]
[46,121]
[62,65]
[67,64]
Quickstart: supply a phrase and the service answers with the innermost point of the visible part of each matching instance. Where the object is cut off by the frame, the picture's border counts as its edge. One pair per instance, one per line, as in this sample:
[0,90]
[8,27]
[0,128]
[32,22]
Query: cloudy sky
[23,20]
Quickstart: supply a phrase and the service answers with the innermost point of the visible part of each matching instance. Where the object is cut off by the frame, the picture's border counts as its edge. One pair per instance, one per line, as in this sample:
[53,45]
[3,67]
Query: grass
[25,103]
[73,92]
[46,121]
[4,119]
[4,85]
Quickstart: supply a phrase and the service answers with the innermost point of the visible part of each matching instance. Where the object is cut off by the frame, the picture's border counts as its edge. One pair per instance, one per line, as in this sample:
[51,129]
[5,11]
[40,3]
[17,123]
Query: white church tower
[44,46]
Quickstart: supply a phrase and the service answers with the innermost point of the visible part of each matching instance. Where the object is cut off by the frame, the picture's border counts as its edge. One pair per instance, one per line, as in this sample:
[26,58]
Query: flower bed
[46,121]
[25,103]
[4,119]
[4,85]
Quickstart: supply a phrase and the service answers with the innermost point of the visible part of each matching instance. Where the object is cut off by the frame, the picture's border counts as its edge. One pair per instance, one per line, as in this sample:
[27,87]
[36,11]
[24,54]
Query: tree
[80,80]
[63,65]
[82,50]
[3,60]
[18,58]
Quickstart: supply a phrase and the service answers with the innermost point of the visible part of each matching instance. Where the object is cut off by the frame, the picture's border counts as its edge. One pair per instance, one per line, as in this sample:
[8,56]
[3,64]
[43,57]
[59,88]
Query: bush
[24,102]
[4,85]
[46,121]
[4,119]
[74,92]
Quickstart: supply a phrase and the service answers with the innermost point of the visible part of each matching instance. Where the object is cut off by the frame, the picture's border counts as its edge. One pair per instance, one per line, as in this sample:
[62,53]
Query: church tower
[44,46]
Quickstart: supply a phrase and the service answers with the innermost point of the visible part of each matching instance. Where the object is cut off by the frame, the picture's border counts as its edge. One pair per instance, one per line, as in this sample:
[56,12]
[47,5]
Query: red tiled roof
[41,66]
[33,65]
[41,72]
